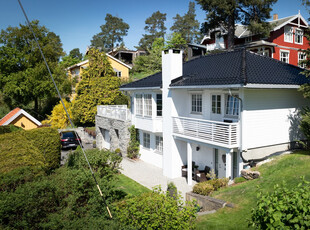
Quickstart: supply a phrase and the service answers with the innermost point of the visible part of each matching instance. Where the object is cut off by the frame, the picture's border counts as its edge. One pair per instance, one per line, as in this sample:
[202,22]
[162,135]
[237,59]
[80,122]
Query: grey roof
[239,67]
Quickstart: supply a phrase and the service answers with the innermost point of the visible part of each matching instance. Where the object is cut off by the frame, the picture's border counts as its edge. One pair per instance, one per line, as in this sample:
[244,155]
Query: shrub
[65,199]
[134,145]
[239,180]
[284,208]
[156,210]
[38,148]
[9,129]
[207,187]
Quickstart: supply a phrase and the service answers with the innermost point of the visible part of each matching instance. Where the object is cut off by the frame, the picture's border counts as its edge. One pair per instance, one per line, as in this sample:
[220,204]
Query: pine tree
[187,25]
[226,13]
[155,27]
[112,33]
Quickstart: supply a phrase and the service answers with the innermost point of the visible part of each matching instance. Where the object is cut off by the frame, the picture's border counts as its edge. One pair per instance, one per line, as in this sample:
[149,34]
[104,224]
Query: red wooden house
[285,42]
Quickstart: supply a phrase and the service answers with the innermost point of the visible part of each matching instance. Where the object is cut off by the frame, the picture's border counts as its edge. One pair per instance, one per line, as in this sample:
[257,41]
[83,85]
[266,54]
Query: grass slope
[131,187]
[288,169]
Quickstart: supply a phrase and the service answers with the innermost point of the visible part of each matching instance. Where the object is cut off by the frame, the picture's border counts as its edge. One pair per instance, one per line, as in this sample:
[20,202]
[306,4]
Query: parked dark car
[69,139]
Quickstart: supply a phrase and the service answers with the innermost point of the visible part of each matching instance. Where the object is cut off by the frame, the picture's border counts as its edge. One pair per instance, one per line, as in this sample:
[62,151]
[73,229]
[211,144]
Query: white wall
[150,155]
[150,124]
[182,100]
[270,116]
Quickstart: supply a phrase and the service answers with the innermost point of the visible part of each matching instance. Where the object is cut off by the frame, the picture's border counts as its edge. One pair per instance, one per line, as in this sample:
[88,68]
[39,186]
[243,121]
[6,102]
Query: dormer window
[299,36]
[288,34]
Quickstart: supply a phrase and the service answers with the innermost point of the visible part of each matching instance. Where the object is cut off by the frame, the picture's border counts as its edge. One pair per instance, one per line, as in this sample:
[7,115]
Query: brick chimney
[275,16]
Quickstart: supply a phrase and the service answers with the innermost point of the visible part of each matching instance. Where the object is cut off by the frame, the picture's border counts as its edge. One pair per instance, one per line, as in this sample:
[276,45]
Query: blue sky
[77,21]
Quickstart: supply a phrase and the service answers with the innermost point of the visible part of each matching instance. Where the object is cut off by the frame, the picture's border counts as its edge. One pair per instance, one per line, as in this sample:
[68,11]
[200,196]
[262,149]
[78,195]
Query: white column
[229,164]
[189,163]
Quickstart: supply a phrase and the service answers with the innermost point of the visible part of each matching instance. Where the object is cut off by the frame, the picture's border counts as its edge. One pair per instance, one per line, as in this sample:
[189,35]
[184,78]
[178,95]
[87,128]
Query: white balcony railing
[214,46]
[212,132]
[119,112]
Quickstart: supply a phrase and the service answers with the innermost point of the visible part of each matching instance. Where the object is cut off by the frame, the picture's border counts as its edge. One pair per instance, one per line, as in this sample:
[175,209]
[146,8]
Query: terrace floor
[150,176]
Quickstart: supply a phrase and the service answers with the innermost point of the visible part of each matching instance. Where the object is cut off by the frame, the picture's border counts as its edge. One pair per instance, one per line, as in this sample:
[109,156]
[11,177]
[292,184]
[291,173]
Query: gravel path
[150,176]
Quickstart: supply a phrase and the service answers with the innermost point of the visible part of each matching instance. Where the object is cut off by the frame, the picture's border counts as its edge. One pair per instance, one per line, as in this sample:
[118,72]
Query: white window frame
[159,144]
[139,104]
[196,103]
[288,34]
[147,101]
[146,140]
[118,73]
[296,36]
[282,57]
[216,104]
[232,105]
[264,52]
[300,54]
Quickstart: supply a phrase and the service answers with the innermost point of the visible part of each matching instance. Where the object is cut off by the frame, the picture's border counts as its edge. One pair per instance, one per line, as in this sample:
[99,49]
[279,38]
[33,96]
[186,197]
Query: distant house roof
[11,116]
[239,68]
[86,61]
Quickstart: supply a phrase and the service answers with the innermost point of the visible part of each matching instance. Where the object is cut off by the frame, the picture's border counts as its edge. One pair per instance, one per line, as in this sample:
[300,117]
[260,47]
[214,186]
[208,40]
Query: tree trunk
[36,104]
[231,32]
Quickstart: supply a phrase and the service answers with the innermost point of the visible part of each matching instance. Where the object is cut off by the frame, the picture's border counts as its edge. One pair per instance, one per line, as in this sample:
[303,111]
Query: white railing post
[229,134]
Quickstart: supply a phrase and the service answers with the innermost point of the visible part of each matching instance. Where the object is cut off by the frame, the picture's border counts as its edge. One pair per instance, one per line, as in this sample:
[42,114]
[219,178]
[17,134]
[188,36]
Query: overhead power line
[50,73]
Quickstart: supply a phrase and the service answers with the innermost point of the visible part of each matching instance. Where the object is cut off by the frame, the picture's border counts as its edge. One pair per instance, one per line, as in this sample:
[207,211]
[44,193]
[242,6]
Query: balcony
[215,46]
[119,112]
[211,132]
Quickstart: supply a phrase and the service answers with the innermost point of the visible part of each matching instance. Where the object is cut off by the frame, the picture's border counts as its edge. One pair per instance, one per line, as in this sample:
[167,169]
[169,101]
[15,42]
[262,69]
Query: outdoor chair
[184,169]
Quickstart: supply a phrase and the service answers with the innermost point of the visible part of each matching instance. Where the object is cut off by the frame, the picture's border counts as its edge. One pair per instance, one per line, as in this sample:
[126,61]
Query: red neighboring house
[285,42]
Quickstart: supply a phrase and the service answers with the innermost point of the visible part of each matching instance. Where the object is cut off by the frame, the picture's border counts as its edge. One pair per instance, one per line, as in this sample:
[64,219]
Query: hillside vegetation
[288,169]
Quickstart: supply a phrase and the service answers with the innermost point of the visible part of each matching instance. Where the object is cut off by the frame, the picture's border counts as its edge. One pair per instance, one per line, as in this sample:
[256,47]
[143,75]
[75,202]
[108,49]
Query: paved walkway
[150,176]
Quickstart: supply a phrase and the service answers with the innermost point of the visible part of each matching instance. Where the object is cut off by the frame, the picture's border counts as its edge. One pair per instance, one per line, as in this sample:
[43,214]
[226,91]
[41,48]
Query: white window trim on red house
[288,57]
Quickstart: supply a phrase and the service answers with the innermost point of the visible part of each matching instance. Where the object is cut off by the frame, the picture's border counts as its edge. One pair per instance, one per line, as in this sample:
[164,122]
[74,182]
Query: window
[298,36]
[139,103]
[148,105]
[232,106]
[284,56]
[263,52]
[248,39]
[118,73]
[216,104]
[146,140]
[159,144]
[301,56]
[196,103]
[159,105]
[288,34]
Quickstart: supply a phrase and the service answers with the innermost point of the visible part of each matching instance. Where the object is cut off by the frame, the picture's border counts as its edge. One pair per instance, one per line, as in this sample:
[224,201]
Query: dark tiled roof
[239,67]
[150,81]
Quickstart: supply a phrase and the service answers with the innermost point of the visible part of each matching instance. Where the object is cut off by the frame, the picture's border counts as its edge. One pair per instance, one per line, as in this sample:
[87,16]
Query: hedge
[39,148]
[9,129]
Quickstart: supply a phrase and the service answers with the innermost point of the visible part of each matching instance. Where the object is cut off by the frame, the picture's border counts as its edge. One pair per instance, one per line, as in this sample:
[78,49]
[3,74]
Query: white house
[219,110]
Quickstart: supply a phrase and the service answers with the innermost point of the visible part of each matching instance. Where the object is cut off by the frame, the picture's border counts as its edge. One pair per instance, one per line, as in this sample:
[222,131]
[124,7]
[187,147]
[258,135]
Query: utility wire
[50,73]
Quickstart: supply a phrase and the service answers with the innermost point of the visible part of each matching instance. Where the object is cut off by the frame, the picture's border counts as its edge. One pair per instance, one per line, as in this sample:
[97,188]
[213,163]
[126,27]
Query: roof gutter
[207,86]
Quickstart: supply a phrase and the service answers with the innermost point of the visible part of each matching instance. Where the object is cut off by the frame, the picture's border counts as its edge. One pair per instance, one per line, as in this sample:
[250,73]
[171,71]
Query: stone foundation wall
[120,140]
[207,203]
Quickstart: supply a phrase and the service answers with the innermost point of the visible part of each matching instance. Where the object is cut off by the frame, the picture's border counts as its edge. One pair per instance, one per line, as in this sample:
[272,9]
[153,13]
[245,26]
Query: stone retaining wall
[207,203]
[118,132]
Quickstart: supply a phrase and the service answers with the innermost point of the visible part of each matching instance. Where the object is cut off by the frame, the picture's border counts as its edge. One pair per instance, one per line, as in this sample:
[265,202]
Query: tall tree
[112,32]
[155,27]
[176,41]
[226,13]
[24,78]
[187,25]
[75,53]
[99,86]
[150,63]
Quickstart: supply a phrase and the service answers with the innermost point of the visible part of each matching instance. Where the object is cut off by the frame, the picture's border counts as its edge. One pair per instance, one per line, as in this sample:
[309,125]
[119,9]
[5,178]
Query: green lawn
[129,186]
[286,168]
